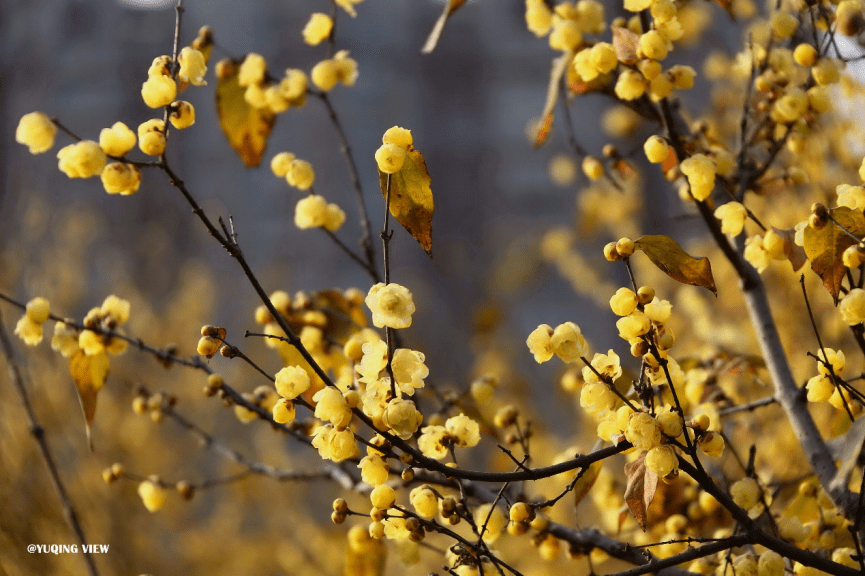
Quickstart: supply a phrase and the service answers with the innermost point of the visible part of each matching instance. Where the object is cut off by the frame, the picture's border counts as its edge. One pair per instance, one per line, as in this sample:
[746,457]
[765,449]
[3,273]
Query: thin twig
[748,407]
[210,441]
[366,239]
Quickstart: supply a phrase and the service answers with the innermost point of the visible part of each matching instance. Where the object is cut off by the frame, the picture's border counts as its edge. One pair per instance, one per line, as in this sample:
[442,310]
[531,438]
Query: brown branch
[211,442]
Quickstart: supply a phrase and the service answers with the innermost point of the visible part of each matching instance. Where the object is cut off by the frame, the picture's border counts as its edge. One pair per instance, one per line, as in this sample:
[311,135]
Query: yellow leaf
[411,200]
[436,33]
[89,374]
[825,247]
[586,481]
[246,128]
[364,556]
[667,255]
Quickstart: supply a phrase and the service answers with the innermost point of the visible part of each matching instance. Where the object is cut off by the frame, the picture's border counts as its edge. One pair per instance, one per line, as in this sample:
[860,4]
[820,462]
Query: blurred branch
[586,540]
[366,239]
[748,407]
[38,434]
[167,356]
[211,442]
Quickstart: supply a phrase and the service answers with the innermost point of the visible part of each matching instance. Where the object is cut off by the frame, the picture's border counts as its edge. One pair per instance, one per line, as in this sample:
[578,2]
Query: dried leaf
[557,71]
[623,515]
[624,169]
[436,33]
[586,481]
[411,200]
[728,6]
[667,255]
[578,86]
[794,253]
[671,162]
[89,374]
[825,247]
[625,42]
[642,484]
[246,128]
[364,557]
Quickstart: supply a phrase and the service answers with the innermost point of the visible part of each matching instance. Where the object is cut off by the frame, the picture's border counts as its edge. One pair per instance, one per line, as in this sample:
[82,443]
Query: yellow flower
[434,442]
[36,131]
[409,370]
[317,28]
[65,339]
[348,6]
[540,343]
[464,430]
[193,66]
[117,140]
[373,470]
[732,216]
[29,331]
[391,305]
[152,495]
[291,382]
[332,407]
[402,417]
[568,343]
[81,160]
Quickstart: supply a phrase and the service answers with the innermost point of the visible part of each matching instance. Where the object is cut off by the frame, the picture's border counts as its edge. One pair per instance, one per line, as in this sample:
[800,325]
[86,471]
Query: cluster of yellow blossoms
[396,143]
[312,211]
[263,91]
[87,158]
[643,324]
[96,340]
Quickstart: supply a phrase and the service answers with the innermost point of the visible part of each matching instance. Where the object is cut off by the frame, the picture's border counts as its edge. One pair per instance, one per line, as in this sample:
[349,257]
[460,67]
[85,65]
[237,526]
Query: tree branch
[38,434]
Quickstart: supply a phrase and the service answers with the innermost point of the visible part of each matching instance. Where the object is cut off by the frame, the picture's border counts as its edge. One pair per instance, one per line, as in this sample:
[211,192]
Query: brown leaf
[728,6]
[794,253]
[825,247]
[667,255]
[586,481]
[246,128]
[624,169]
[625,42]
[623,515]
[671,162]
[640,490]
[89,374]
[436,33]
[560,65]
[364,556]
[411,200]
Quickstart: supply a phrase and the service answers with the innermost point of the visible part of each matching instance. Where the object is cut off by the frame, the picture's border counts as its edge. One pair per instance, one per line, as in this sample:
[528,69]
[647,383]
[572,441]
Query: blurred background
[470,105]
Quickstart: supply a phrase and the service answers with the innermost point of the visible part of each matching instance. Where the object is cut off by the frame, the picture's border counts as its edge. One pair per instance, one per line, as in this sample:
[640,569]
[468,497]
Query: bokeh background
[469,105]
